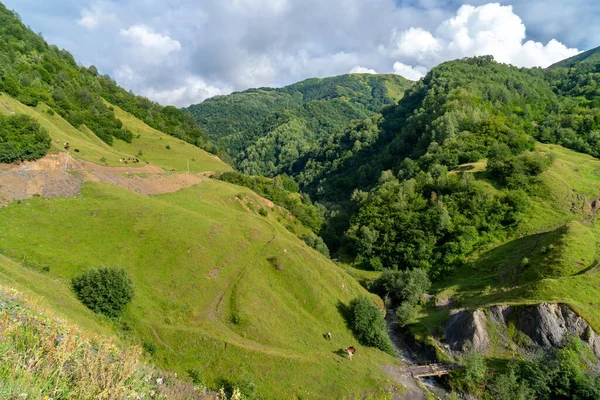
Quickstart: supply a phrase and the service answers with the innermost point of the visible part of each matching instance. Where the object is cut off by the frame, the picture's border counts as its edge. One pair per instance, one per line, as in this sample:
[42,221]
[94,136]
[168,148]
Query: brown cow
[350,351]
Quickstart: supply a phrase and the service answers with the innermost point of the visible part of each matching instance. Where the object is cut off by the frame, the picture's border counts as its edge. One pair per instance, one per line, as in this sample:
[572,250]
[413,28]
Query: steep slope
[207,298]
[588,57]
[34,72]
[146,145]
[266,130]
[558,236]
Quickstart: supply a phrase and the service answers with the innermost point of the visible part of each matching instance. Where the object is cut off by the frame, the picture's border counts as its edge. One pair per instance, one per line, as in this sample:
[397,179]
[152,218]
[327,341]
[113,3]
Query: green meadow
[207,297]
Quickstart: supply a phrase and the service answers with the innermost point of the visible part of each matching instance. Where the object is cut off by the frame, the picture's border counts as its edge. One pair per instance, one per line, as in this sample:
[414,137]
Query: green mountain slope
[588,57]
[147,144]
[267,130]
[207,298]
[33,72]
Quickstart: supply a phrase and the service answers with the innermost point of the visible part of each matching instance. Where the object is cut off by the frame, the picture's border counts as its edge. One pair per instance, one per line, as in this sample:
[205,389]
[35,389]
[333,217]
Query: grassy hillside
[151,143]
[558,237]
[267,130]
[207,297]
[587,57]
[33,72]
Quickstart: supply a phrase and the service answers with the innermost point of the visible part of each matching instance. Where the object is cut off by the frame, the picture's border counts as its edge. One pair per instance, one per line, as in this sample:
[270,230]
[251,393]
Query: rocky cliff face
[544,325]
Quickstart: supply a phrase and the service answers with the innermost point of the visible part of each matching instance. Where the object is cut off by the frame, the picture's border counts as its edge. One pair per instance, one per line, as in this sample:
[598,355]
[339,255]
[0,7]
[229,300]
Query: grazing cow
[67,146]
[350,351]
[327,336]
[76,150]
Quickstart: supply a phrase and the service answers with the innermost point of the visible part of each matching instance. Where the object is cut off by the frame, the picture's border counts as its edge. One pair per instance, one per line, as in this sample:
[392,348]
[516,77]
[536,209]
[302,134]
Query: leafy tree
[104,290]
[405,314]
[508,387]
[402,286]
[22,138]
[368,324]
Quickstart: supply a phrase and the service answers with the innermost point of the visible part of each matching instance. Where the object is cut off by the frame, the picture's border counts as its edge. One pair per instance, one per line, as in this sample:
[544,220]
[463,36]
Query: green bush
[406,314]
[402,286]
[316,242]
[21,139]
[368,325]
[104,290]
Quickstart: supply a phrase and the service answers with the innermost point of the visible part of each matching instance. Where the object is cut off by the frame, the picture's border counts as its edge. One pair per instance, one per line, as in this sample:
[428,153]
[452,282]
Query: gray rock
[548,324]
[500,313]
[464,327]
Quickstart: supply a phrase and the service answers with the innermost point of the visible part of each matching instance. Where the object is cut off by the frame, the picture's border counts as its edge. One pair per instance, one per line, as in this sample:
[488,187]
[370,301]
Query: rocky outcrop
[465,329]
[546,325]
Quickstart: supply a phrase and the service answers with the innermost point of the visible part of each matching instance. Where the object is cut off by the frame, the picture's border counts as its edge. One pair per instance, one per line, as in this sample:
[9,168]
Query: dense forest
[33,71]
[267,130]
[392,201]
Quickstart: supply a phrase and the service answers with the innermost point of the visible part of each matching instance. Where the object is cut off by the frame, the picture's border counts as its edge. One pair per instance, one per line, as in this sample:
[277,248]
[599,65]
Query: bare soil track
[60,175]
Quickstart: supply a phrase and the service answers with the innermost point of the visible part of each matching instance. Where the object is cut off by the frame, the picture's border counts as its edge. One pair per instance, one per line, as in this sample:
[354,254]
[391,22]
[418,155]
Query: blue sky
[183,51]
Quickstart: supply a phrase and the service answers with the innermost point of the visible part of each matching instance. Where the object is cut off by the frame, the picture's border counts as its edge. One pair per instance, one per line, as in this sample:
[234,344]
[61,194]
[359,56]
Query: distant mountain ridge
[266,130]
[587,57]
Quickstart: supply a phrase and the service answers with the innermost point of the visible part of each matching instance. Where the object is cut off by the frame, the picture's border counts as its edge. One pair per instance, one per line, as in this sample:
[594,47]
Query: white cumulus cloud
[362,70]
[94,16]
[490,29]
[191,90]
[151,43]
[412,73]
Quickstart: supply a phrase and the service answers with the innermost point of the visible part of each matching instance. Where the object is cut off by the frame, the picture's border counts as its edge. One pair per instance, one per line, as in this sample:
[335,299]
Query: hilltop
[590,57]
[266,130]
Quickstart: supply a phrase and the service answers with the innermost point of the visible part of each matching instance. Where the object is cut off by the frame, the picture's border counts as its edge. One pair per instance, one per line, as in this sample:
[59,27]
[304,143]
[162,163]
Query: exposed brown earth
[53,176]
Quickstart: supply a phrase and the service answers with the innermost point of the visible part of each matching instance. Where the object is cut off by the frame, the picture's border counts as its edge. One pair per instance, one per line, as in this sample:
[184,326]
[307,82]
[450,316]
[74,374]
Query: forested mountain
[590,57]
[33,71]
[126,234]
[266,130]
[464,111]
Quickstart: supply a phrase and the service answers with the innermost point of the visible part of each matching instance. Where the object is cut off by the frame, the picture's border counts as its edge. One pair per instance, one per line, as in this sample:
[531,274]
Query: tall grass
[43,358]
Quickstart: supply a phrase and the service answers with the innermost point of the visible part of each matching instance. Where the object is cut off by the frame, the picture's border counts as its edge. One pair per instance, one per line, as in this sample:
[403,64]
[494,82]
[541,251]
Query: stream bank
[410,356]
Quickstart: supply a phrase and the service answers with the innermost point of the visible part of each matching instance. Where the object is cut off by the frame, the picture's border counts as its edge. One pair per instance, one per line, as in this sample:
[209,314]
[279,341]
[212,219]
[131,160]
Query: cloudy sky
[183,51]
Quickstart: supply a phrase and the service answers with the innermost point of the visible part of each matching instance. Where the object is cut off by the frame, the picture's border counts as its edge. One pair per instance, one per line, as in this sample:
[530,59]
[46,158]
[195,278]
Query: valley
[343,237]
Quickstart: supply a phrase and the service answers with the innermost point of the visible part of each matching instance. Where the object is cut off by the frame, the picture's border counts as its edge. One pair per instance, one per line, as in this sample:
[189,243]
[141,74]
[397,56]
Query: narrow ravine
[409,356]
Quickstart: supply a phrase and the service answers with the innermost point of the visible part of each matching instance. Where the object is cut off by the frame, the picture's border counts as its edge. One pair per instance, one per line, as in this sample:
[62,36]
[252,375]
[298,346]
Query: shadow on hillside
[340,352]
[344,311]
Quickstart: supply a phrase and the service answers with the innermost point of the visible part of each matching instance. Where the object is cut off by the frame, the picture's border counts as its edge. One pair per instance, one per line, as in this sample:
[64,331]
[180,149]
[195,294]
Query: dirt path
[48,177]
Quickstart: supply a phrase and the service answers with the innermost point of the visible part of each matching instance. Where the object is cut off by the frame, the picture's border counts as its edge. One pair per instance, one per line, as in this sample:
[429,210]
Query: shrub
[472,372]
[405,314]
[244,386]
[195,376]
[168,147]
[402,286]
[263,211]
[104,290]
[22,138]
[316,242]
[368,325]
